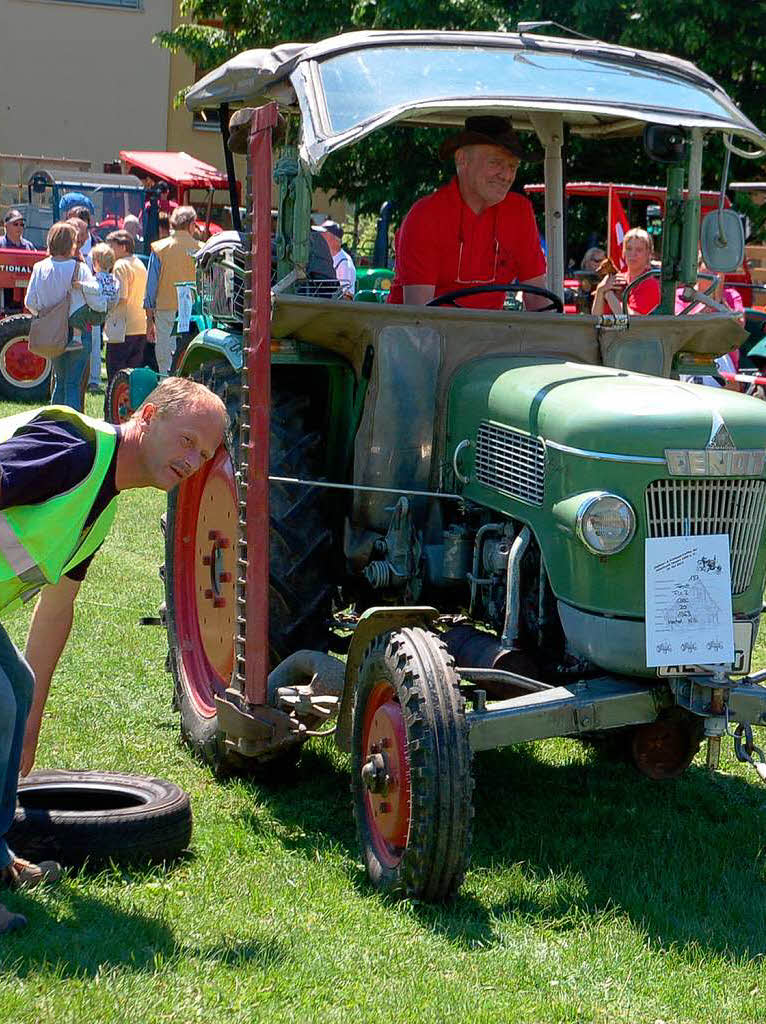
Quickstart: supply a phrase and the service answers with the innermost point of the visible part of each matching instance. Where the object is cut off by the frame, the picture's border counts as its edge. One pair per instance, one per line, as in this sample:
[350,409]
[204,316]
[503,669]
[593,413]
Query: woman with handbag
[52,299]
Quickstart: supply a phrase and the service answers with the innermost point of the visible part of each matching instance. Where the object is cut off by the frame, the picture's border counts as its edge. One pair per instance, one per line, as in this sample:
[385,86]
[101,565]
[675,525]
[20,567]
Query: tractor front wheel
[411,767]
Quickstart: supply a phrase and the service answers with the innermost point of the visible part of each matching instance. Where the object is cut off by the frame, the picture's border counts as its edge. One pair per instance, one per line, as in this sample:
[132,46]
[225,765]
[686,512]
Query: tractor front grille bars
[737,507]
[510,462]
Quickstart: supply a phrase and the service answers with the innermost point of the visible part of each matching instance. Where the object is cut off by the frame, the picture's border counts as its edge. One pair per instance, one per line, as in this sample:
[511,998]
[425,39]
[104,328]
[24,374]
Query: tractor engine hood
[599,409]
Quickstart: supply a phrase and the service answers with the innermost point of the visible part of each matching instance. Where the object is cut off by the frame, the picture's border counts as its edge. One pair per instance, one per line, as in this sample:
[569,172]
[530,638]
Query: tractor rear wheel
[411,767]
[24,377]
[201,566]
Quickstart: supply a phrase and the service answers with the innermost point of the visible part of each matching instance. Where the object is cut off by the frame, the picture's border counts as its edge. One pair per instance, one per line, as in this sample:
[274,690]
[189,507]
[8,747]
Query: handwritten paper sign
[185,301]
[689,616]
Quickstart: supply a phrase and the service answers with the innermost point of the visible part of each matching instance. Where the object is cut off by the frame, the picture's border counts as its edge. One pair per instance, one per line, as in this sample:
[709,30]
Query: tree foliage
[722,37]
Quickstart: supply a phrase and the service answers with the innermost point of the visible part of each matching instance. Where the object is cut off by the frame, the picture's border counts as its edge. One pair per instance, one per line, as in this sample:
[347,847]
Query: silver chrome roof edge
[585,453]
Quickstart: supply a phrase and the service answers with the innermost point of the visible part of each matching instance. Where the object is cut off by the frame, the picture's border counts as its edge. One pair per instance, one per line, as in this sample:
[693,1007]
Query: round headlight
[605,524]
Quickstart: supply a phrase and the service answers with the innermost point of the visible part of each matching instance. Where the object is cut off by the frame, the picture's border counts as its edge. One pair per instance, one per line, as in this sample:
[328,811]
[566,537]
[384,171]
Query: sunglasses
[21,223]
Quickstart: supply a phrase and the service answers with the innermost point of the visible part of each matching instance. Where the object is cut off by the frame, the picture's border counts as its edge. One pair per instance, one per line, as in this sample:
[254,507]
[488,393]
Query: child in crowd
[101,295]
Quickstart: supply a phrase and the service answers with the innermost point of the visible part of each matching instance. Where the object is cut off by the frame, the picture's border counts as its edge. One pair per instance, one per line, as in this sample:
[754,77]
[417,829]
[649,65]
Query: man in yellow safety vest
[60,474]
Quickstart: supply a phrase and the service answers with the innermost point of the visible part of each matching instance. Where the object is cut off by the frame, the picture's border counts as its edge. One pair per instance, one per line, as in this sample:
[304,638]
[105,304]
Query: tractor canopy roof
[175,168]
[350,85]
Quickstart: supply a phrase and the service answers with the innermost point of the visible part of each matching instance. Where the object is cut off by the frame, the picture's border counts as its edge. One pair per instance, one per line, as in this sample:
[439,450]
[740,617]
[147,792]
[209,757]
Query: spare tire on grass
[100,816]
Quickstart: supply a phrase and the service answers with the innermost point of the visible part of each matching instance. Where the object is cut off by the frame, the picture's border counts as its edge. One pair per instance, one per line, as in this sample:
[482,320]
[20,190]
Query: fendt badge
[715,462]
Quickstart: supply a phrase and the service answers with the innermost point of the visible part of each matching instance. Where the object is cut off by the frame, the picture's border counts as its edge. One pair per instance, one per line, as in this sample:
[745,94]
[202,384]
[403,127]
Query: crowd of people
[112,294]
[119,303]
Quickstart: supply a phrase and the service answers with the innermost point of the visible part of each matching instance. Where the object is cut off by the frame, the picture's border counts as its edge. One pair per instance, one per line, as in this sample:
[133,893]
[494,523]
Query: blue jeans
[69,370]
[94,378]
[17,686]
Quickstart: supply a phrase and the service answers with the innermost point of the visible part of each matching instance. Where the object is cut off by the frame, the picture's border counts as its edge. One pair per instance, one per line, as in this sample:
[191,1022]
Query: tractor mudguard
[371,624]
[142,382]
[212,346]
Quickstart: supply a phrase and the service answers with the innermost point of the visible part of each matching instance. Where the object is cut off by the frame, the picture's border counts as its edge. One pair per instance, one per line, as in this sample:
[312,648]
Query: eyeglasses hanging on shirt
[461,246]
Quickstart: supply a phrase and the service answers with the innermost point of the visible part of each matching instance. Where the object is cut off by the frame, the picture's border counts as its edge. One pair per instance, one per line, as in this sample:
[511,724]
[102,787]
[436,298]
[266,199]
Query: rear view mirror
[664,144]
[722,241]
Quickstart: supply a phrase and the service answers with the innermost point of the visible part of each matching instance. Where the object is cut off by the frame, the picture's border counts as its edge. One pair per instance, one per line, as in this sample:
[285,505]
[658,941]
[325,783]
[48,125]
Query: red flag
[618,226]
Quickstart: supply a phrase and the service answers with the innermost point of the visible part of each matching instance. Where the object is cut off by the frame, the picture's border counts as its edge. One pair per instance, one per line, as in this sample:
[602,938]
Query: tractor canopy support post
[672,239]
[257,380]
[692,209]
[231,174]
[550,131]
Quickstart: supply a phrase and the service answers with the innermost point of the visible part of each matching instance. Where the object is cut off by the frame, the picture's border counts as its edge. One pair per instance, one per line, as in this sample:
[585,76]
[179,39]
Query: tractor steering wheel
[448,298]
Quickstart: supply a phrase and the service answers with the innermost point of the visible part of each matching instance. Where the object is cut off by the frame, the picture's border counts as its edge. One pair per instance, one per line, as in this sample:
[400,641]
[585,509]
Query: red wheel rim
[120,403]
[388,812]
[20,366]
[204,563]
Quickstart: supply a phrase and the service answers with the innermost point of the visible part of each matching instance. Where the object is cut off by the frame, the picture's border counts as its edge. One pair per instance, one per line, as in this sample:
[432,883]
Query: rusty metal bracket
[371,624]
[255,729]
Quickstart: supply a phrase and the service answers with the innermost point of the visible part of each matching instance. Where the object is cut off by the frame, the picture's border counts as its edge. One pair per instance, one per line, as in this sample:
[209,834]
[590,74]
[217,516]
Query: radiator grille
[511,462]
[679,508]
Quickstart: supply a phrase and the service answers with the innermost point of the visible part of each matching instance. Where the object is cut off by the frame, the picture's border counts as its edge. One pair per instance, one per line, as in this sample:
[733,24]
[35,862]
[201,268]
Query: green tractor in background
[483,499]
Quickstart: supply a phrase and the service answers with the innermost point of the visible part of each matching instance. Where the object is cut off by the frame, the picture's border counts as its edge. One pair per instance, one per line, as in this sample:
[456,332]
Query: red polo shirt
[645,296]
[442,242]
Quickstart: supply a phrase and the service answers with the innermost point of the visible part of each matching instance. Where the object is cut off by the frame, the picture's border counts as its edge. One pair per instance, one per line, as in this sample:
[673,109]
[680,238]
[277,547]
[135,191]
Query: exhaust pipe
[503,673]
[469,647]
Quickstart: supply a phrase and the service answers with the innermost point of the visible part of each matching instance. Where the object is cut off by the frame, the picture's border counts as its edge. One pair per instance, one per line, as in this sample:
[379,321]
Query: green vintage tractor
[528,524]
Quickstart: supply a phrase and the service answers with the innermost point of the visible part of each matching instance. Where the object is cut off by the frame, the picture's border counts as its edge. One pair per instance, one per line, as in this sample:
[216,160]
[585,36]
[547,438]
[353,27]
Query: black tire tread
[158,829]
[423,674]
[300,597]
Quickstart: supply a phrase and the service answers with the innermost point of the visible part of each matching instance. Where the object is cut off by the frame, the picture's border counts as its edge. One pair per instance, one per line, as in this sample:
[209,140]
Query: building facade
[83,80]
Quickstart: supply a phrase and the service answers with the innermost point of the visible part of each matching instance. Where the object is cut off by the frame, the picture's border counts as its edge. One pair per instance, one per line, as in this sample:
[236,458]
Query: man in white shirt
[345,270]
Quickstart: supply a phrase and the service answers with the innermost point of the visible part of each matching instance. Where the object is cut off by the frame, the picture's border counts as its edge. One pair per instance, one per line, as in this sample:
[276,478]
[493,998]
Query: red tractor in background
[627,206]
[191,182]
[24,377]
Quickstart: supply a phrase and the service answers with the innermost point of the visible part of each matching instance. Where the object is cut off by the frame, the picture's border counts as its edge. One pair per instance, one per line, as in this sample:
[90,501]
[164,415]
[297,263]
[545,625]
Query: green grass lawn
[594,894]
